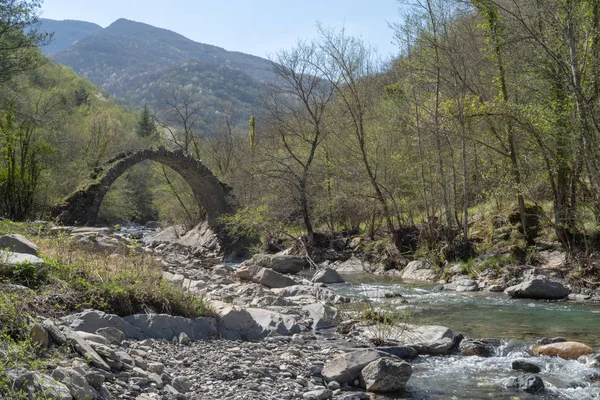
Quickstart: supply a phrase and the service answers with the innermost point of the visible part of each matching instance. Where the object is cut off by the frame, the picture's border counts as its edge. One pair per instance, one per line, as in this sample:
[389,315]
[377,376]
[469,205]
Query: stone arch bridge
[81,208]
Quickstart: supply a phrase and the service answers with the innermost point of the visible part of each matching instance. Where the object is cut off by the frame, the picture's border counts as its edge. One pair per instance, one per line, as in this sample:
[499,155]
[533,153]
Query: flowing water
[518,322]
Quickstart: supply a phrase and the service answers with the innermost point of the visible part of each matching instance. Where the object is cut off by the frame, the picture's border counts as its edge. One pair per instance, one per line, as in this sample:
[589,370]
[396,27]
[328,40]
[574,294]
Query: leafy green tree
[16,45]
[146,126]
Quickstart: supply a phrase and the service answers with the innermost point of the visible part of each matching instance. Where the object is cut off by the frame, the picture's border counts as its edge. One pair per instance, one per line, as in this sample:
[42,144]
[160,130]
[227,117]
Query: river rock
[318,394]
[496,288]
[283,264]
[11,259]
[236,323]
[274,321]
[111,334]
[92,320]
[264,276]
[39,336]
[539,287]
[167,235]
[327,275]
[526,366]
[529,383]
[182,384]
[34,382]
[350,266]
[403,352]
[475,348]
[463,285]
[84,348]
[163,326]
[311,293]
[418,271]
[18,244]
[385,375]
[273,279]
[426,340]
[345,368]
[78,386]
[566,350]
[323,316]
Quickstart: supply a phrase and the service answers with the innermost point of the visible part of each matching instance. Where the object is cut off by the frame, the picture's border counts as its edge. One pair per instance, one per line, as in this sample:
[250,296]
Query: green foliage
[257,224]
[122,284]
[139,69]
[252,133]
[18,51]
[494,262]
[25,273]
[146,125]
[21,166]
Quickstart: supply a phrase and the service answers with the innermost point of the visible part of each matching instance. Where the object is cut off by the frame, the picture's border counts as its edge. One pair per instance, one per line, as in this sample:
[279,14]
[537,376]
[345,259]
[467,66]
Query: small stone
[39,336]
[333,385]
[318,394]
[529,383]
[525,366]
[183,339]
[156,367]
[385,375]
[78,386]
[182,384]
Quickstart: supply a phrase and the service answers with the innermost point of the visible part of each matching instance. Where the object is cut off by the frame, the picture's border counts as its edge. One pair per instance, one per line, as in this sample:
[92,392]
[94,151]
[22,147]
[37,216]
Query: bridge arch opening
[214,197]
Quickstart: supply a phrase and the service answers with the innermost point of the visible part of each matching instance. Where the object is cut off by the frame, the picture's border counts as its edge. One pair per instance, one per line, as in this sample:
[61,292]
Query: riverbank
[276,336]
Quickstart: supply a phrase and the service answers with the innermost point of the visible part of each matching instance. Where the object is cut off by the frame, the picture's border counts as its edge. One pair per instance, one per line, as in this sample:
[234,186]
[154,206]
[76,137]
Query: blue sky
[258,27]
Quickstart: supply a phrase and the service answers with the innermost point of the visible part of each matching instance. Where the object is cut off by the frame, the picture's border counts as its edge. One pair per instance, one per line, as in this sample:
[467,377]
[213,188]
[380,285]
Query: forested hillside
[65,33]
[143,65]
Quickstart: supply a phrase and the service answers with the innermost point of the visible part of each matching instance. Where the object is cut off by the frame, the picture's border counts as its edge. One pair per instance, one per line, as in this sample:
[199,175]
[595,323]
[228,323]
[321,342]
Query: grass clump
[494,263]
[17,350]
[116,283]
[76,277]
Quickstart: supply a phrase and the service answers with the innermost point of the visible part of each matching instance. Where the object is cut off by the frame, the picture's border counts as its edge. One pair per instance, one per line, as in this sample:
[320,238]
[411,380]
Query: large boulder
[283,264]
[345,368]
[264,276]
[539,287]
[92,320]
[432,340]
[418,271]
[163,326]
[403,352]
[273,279]
[385,375]
[327,275]
[84,348]
[20,379]
[463,285]
[323,316]
[18,244]
[11,259]
[167,235]
[351,266]
[77,384]
[529,383]
[311,293]
[566,350]
[274,321]
[236,323]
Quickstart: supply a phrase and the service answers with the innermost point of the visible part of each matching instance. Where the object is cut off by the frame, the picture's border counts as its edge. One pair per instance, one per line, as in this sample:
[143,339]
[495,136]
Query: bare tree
[349,65]
[181,118]
[295,114]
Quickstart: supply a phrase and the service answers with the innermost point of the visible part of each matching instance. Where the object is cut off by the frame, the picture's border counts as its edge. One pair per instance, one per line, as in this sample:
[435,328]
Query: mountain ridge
[138,63]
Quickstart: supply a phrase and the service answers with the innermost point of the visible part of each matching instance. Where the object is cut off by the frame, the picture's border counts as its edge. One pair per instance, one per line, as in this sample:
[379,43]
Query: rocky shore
[275,335]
